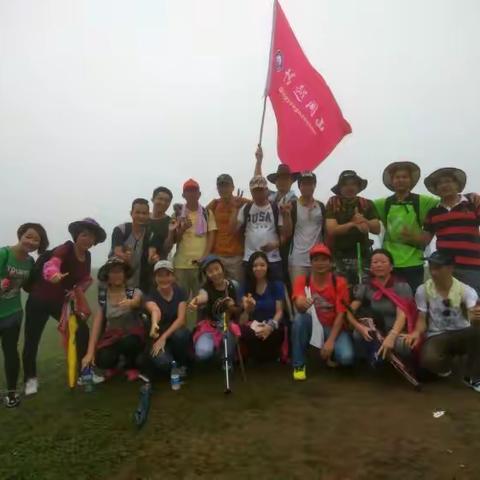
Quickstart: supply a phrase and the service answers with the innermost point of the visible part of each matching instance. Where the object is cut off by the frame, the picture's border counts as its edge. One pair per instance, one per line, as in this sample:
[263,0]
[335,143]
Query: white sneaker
[96,379]
[31,386]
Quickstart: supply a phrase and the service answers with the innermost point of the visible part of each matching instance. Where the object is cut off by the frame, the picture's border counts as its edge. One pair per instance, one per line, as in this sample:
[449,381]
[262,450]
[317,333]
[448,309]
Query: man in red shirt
[320,298]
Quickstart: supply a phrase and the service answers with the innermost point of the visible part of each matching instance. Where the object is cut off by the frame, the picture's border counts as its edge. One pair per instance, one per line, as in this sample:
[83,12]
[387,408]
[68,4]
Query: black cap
[305,175]
[441,259]
[225,178]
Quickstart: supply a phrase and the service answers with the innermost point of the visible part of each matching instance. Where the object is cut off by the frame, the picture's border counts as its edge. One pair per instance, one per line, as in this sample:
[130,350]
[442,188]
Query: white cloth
[260,230]
[318,336]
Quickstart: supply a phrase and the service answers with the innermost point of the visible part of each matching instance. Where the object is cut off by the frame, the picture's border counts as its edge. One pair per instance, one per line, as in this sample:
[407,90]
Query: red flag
[310,122]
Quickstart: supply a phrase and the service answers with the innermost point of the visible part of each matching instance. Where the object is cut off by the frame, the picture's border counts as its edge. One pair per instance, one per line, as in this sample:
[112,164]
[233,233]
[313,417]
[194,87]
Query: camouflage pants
[348,268]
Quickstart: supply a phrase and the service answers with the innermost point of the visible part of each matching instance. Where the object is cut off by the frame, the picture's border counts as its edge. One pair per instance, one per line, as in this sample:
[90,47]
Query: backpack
[413,199]
[294,220]
[102,301]
[246,213]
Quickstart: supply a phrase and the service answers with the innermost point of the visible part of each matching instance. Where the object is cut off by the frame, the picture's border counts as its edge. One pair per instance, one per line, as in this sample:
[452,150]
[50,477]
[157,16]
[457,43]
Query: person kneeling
[262,303]
[446,308]
[219,297]
[118,333]
[387,302]
[320,314]
[171,339]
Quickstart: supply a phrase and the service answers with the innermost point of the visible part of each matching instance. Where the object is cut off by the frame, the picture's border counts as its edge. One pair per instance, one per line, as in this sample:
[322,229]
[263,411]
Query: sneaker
[97,378]
[31,386]
[132,374]
[472,383]
[11,401]
[444,374]
[300,373]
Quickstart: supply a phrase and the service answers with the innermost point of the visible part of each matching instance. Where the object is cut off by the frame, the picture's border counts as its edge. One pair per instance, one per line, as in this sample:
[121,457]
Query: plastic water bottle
[87,378]
[175,380]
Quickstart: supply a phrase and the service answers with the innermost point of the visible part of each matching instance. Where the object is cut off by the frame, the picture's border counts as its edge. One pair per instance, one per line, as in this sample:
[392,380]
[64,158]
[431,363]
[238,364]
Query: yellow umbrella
[72,367]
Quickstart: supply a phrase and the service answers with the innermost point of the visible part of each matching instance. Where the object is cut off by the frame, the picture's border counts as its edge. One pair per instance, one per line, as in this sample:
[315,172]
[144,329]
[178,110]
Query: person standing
[16,265]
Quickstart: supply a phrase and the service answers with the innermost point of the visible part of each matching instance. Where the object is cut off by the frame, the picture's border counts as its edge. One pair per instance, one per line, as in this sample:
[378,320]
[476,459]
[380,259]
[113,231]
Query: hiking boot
[12,400]
[472,383]
[300,373]
[31,386]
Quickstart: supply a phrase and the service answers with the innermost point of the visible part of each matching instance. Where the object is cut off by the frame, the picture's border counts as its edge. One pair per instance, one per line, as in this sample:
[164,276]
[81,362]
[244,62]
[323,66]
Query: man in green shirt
[403,215]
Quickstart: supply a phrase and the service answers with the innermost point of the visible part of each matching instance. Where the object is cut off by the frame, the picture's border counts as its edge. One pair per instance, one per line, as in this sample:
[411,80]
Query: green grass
[337,425]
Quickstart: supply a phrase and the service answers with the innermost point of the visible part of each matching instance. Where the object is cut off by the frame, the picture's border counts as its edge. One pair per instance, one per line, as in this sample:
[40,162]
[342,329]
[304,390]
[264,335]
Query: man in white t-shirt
[308,225]
[446,307]
[266,226]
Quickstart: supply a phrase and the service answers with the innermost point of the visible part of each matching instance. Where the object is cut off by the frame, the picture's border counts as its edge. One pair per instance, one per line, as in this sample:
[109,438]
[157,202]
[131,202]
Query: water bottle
[175,380]
[87,379]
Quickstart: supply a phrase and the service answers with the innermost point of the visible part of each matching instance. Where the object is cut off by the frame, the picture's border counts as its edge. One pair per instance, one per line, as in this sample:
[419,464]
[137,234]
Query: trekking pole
[359,263]
[392,358]
[240,361]
[226,361]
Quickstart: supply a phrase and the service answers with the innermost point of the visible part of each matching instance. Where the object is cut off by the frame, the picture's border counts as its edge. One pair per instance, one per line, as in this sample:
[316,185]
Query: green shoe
[300,373]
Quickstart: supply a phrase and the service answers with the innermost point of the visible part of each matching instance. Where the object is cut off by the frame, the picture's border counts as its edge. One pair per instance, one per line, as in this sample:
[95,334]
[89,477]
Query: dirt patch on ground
[337,425]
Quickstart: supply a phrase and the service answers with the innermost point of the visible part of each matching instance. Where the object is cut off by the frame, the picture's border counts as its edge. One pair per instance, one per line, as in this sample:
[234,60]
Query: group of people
[282,272]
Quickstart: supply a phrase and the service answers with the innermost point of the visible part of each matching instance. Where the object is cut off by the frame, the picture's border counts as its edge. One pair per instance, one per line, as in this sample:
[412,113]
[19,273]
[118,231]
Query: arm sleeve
[329,213]
[403,290]
[240,216]
[54,265]
[470,297]
[278,291]
[379,205]
[359,292]
[421,299]
[212,224]
[117,238]
[427,225]
[371,212]
[343,295]
[299,287]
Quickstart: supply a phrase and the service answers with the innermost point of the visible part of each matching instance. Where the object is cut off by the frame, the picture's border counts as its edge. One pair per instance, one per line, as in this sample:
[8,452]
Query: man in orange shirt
[228,245]
[320,297]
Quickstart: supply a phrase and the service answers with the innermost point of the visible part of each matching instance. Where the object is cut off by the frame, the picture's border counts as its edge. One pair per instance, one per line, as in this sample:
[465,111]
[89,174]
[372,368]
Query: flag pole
[267,86]
[263,121]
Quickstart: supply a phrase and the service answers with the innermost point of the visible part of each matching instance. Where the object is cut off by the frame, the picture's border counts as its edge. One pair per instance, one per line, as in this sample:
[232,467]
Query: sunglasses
[446,303]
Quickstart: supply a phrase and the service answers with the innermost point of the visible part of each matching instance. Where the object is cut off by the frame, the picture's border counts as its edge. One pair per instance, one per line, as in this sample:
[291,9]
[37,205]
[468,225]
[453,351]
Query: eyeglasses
[446,303]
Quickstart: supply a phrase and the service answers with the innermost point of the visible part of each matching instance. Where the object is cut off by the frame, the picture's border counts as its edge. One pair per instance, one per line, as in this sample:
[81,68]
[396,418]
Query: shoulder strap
[246,213]
[415,200]
[275,217]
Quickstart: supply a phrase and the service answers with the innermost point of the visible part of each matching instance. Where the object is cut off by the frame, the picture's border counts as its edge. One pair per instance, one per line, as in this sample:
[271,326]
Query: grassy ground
[337,425]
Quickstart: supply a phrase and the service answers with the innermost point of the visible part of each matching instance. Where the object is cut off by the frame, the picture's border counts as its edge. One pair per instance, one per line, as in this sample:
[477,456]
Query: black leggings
[130,347]
[9,332]
[37,313]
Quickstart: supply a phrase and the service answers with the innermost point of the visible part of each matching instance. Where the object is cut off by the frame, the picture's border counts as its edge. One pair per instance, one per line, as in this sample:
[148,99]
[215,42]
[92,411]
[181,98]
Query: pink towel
[201,223]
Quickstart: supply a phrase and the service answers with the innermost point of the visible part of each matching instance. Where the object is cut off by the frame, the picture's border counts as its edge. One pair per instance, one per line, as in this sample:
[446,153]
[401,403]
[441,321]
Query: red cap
[191,184]
[320,249]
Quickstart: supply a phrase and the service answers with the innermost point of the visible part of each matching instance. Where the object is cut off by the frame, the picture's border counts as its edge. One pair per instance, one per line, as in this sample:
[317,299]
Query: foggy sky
[102,101]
